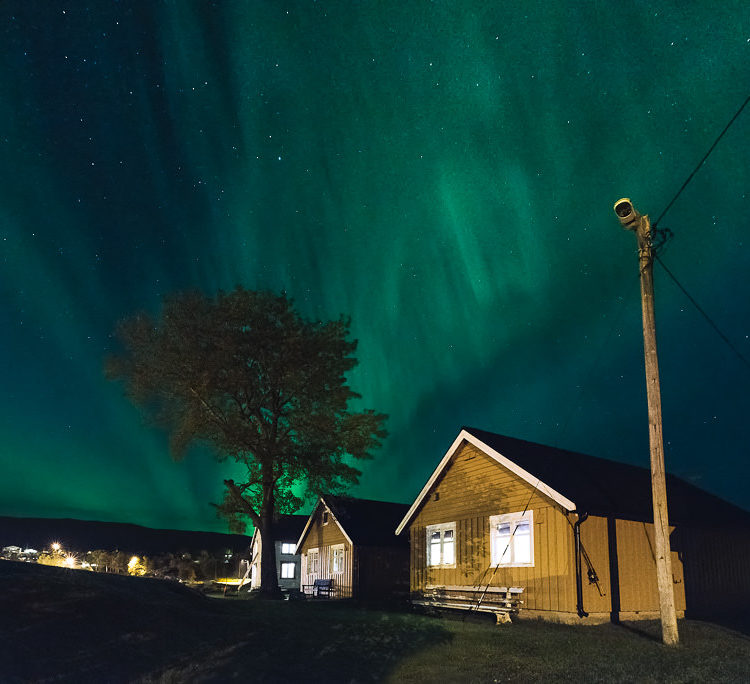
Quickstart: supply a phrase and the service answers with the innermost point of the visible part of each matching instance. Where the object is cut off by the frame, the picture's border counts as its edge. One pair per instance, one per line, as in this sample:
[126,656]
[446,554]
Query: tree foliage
[246,375]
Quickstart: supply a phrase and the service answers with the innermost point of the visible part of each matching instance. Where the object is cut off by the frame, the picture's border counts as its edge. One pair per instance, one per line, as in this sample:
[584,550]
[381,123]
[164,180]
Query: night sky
[443,172]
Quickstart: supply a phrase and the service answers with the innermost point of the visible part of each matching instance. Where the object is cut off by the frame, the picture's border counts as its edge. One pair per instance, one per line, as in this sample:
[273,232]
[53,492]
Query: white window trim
[288,545]
[286,564]
[336,547]
[310,570]
[513,519]
[442,527]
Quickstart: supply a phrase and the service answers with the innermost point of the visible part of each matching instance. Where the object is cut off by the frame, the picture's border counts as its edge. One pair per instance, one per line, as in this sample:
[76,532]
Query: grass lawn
[537,651]
[71,626]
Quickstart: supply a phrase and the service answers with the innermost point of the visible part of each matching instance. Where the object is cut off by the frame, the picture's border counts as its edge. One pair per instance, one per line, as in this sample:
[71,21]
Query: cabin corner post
[579,580]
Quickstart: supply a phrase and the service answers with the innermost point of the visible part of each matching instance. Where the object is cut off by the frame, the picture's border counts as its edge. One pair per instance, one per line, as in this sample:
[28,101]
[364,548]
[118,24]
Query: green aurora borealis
[442,172]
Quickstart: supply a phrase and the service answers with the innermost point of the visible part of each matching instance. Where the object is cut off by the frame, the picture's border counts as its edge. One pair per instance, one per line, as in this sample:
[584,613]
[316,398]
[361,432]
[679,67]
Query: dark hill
[86,535]
[61,625]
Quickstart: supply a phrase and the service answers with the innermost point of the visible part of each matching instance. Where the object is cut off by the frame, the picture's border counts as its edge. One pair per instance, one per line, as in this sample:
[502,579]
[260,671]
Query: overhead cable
[703,313]
[701,162]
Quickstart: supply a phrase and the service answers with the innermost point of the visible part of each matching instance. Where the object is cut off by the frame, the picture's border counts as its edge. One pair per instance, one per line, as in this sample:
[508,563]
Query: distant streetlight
[55,546]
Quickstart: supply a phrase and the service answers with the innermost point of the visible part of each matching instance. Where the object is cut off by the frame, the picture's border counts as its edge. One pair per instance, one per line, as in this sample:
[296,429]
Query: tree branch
[218,417]
[242,503]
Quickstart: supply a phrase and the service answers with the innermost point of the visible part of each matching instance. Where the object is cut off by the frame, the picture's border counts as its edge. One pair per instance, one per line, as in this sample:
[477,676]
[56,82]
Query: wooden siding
[286,584]
[596,595]
[621,553]
[710,567]
[471,489]
[636,567]
[717,567]
[323,537]
[381,573]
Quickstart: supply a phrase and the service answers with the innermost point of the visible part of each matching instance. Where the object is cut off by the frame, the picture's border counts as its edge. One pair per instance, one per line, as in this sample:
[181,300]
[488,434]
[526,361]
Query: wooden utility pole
[632,220]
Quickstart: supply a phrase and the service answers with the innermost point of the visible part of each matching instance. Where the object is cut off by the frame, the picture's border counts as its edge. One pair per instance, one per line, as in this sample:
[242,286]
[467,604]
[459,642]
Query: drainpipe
[579,582]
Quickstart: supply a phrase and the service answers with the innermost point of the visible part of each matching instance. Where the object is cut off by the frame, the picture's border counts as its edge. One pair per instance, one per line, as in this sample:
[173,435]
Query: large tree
[246,375]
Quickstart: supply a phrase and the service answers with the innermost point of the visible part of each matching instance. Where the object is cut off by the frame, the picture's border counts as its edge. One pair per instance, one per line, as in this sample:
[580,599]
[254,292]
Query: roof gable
[466,436]
[593,485]
[321,503]
[364,522]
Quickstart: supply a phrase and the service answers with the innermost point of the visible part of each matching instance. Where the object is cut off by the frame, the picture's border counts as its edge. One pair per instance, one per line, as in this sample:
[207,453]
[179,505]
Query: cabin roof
[286,527]
[363,521]
[367,522]
[592,485]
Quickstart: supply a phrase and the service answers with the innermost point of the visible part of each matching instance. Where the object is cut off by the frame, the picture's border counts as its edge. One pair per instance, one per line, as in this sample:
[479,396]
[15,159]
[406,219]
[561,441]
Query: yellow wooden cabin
[508,526]
[348,550]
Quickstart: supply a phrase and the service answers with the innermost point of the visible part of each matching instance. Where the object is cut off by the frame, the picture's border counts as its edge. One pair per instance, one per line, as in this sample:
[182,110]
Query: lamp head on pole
[627,213]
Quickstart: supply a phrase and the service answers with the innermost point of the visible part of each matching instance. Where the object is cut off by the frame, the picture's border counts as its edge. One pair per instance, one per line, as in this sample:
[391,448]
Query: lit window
[287,571]
[312,561]
[512,539]
[441,544]
[337,558]
[287,548]
[325,517]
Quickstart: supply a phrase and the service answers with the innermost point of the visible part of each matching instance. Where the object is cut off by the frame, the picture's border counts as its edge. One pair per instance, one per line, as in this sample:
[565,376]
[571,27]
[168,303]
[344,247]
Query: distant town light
[55,546]
[70,562]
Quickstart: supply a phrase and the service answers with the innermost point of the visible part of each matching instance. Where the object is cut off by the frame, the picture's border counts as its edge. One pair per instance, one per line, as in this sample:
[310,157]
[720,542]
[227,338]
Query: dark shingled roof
[369,523]
[602,487]
[289,527]
[286,528]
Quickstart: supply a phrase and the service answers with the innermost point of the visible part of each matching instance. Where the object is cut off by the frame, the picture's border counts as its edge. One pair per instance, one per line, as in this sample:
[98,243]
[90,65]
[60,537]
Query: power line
[701,162]
[703,313]
[660,237]
[663,235]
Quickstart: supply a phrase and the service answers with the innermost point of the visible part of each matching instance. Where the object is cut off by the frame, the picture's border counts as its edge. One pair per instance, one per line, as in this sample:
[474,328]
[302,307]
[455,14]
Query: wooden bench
[320,588]
[501,601]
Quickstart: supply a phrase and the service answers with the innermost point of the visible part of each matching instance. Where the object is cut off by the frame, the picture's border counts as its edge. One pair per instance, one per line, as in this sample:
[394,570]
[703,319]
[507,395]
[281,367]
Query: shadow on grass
[736,623]
[71,626]
[651,629]
[645,630]
[315,641]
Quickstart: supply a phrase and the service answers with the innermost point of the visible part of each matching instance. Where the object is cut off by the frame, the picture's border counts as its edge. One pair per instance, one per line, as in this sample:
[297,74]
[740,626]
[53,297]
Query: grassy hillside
[72,626]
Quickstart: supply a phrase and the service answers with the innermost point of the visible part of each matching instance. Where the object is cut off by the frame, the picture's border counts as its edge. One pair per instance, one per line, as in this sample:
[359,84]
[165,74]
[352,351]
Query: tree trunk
[269,579]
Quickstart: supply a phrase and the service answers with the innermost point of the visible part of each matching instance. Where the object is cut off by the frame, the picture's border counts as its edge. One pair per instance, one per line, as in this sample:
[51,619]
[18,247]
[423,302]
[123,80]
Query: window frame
[287,564]
[442,528]
[287,546]
[513,519]
[313,569]
[332,559]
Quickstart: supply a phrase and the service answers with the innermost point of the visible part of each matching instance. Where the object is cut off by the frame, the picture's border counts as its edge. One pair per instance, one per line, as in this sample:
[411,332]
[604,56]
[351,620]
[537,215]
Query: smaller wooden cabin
[351,542]
[286,531]
[504,524]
